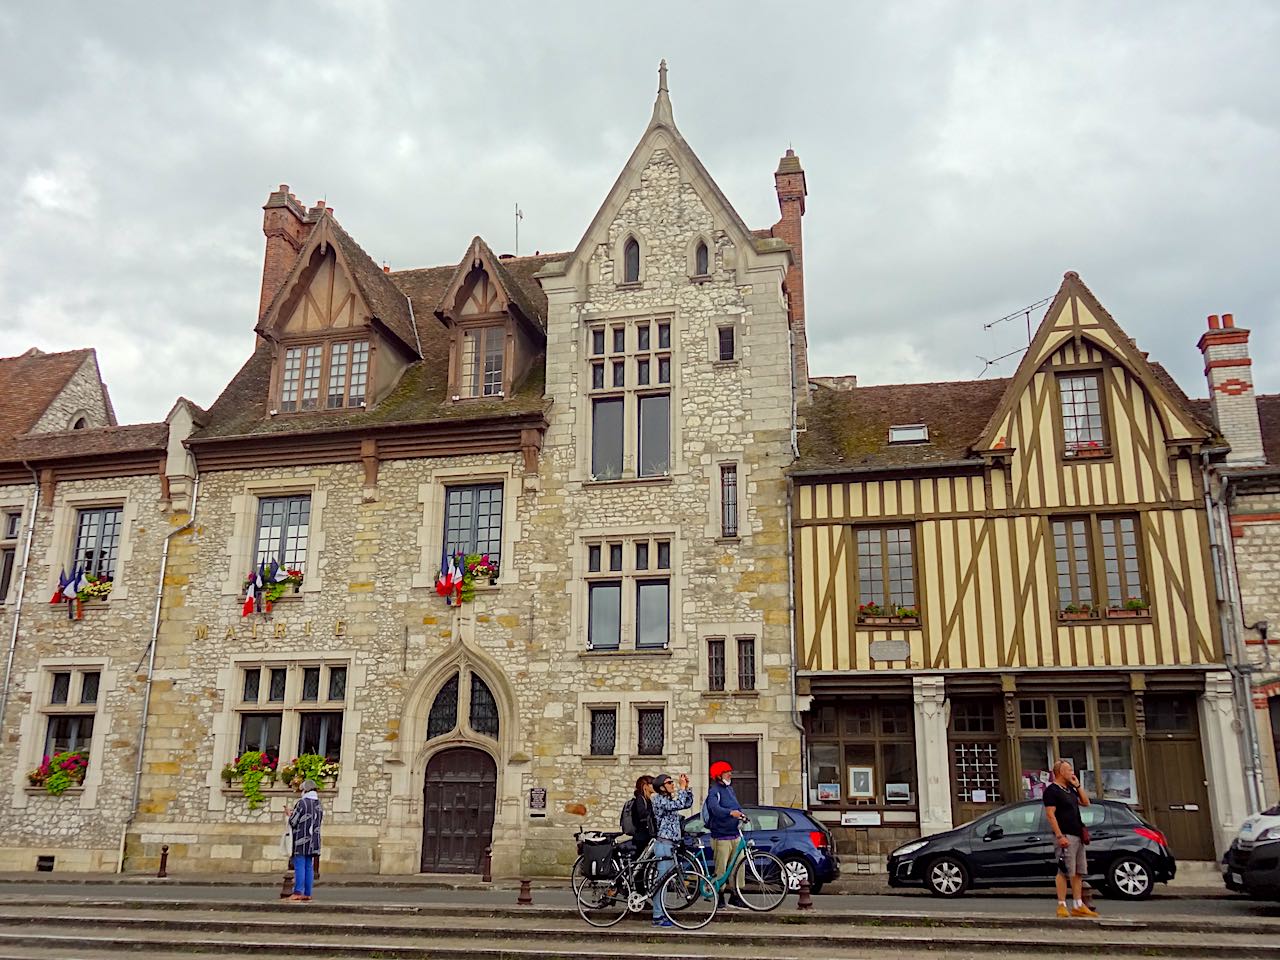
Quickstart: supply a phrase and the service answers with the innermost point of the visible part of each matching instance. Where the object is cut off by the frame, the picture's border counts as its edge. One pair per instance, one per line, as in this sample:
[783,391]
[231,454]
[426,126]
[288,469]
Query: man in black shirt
[1062,802]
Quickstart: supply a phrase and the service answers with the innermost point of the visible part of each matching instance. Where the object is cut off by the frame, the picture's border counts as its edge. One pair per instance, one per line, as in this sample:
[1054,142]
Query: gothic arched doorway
[459,795]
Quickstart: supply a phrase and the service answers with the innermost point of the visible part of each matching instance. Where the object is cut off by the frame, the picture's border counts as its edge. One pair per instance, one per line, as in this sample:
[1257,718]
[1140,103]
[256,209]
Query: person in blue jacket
[721,813]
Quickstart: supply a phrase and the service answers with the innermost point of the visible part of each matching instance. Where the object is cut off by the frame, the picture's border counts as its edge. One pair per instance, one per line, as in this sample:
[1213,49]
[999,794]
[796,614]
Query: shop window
[870,761]
[1112,714]
[973,716]
[1083,730]
[1174,714]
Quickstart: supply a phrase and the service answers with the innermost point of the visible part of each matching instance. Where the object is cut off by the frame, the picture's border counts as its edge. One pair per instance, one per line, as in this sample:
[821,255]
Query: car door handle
[775,839]
[1033,839]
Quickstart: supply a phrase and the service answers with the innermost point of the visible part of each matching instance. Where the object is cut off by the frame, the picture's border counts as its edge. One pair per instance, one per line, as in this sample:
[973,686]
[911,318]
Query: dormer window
[342,365]
[631,261]
[700,260]
[909,433]
[482,362]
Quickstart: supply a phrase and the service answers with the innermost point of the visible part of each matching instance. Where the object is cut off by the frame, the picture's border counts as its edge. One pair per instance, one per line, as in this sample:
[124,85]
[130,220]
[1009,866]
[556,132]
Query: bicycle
[759,878]
[688,897]
[622,859]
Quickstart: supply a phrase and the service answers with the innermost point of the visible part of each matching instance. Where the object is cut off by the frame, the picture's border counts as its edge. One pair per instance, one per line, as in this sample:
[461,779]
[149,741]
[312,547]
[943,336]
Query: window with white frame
[10,525]
[324,375]
[70,709]
[473,520]
[292,705]
[481,363]
[628,584]
[283,528]
[629,377]
[97,545]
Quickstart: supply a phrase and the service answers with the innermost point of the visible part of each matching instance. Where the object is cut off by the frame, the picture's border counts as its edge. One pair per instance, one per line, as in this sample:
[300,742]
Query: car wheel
[947,877]
[1129,877]
[798,869]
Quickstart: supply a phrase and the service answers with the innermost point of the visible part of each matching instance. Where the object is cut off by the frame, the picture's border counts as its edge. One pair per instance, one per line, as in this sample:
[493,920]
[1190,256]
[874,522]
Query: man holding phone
[1062,802]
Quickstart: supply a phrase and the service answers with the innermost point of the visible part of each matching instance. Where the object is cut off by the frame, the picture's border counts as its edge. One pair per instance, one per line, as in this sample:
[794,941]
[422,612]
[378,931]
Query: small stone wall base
[66,859]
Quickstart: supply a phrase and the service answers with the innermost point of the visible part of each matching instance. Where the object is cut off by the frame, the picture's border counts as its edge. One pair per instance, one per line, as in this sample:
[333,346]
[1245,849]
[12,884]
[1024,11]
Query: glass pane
[1081,412]
[664,336]
[311,683]
[338,375]
[61,688]
[700,260]
[275,693]
[899,766]
[604,732]
[619,373]
[746,663]
[337,683]
[860,780]
[1033,714]
[619,339]
[824,773]
[652,734]
[895,719]
[1115,758]
[715,664]
[642,336]
[593,558]
[484,709]
[977,767]
[597,342]
[615,556]
[1171,714]
[664,555]
[1072,714]
[1020,820]
[494,350]
[631,262]
[89,687]
[655,436]
[642,372]
[604,631]
[726,343]
[359,372]
[606,439]
[642,555]
[597,376]
[1035,767]
[858,718]
[652,613]
[473,521]
[1080,752]
[252,678]
[321,734]
[871,594]
[973,716]
[260,732]
[1112,714]
[729,500]
[664,369]
[444,710]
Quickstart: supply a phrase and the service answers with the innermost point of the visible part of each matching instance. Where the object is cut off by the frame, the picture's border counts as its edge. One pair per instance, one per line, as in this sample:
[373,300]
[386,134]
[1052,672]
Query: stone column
[1223,758]
[933,760]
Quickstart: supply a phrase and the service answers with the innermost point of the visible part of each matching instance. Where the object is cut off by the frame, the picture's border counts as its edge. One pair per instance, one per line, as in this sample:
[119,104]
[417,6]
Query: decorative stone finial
[662,106]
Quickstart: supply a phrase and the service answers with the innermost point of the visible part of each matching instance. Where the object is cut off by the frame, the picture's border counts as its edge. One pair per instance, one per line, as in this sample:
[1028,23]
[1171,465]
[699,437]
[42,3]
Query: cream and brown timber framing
[983,546]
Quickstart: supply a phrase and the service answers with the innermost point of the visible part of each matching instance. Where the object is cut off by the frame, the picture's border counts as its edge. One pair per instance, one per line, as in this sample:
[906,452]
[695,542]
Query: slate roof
[848,430]
[28,384]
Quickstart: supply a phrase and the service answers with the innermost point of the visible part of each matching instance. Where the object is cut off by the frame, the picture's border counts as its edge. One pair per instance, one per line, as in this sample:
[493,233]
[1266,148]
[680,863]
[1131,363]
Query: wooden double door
[459,798]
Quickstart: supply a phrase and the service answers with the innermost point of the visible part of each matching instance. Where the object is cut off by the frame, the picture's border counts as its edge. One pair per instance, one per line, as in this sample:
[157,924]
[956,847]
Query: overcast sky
[960,157]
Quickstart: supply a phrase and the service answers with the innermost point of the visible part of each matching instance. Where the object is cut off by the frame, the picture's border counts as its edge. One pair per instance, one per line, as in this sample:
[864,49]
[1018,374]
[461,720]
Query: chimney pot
[1228,320]
[320,204]
[386,268]
[284,188]
[1213,321]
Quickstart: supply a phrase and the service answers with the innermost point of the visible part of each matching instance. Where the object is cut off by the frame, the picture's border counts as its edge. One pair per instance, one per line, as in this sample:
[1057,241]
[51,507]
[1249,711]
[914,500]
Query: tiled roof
[383,297]
[849,429]
[93,442]
[28,384]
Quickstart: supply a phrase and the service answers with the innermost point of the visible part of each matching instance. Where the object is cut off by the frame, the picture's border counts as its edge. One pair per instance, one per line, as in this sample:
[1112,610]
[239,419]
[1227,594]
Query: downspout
[22,589]
[151,665]
[791,590]
[1230,620]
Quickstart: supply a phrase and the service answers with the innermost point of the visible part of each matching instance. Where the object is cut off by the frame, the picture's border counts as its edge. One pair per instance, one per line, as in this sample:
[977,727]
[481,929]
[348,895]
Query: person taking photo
[667,802]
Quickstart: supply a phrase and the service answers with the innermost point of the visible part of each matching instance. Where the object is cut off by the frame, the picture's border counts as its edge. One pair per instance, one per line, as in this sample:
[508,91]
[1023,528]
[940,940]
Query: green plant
[1077,608]
[871,609]
[309,766]
[99,588]
[252,768]
[908,612]
[61,772]
[1136,603]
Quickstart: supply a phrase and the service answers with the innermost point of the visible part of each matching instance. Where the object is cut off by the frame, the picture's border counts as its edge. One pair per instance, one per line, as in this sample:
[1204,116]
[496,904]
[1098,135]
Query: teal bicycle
[759,879]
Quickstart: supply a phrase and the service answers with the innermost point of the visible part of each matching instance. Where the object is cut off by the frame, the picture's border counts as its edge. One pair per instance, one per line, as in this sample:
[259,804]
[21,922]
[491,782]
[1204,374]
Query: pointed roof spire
[662,106]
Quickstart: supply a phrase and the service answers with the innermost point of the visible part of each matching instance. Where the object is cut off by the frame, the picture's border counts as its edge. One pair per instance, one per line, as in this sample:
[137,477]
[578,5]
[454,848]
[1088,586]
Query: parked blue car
[791,835]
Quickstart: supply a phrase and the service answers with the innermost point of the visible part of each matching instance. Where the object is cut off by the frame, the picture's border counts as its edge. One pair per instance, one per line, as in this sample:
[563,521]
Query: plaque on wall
[537,801]
[860,818]
[889,650]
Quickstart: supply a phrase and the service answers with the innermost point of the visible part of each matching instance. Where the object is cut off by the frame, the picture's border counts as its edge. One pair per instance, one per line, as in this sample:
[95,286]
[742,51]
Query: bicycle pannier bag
[598,859]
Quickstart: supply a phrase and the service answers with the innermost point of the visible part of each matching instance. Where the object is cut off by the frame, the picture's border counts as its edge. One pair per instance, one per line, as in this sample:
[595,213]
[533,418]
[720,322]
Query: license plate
[1236,878]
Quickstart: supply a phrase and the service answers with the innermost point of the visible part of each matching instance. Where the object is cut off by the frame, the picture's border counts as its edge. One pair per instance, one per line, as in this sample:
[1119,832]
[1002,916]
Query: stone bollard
[164,863]
[805,902]
[526,893]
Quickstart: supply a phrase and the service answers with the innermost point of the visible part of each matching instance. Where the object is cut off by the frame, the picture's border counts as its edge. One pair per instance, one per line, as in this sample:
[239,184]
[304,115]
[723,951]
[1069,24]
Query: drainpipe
[1230,620]
[791,588]
[151,666]
[22,589]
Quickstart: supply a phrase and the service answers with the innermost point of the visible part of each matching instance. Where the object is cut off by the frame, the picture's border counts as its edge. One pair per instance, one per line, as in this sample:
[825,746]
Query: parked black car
[1014,846]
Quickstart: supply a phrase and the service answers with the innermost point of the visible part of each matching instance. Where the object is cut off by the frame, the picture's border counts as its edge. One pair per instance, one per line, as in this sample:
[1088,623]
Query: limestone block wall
[81,397]
[82,828]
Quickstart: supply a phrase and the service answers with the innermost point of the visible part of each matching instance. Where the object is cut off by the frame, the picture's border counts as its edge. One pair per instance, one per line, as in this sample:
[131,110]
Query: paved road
[985,904]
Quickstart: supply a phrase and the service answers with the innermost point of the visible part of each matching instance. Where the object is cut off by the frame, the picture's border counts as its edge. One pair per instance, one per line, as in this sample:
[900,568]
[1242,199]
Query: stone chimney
[1229,371]
[285,227]
[789,181]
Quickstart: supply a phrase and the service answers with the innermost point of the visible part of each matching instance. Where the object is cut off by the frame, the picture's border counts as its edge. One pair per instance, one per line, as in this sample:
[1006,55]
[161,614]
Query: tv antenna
[1025,313]
[519,217]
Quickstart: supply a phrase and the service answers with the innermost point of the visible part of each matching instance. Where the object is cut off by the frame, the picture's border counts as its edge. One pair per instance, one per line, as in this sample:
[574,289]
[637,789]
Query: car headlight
[1271,833]
[909,848]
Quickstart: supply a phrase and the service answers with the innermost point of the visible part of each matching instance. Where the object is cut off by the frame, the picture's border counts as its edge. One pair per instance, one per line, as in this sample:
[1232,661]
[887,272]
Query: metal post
[805,902]
[486,875]
[526,893]
[164,863]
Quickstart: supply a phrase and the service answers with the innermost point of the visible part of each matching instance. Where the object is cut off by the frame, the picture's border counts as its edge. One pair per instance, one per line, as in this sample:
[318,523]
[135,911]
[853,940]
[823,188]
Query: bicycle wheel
[760,881]
[578,875]
[602,902]
[697,896]
[688,871]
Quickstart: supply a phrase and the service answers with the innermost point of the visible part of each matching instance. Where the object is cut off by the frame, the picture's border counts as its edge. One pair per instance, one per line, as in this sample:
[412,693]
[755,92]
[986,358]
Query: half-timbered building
[993,575]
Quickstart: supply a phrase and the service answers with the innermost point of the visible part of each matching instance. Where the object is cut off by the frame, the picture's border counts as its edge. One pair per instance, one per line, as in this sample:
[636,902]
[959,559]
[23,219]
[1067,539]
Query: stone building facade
[609,425]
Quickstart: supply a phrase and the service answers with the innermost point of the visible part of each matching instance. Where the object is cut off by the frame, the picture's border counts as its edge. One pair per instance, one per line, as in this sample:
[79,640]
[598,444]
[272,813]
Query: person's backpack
[628,819]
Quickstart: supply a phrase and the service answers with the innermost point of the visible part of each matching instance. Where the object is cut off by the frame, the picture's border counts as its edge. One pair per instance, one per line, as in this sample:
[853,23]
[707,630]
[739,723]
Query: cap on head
[719,769]
[660,781]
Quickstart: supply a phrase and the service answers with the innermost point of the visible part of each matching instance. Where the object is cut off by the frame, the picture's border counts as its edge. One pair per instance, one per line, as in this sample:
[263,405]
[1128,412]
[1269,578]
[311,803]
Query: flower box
[1077,615]
[1120,613]
[875,621]
[906,621]
[1088,453]
[59,773]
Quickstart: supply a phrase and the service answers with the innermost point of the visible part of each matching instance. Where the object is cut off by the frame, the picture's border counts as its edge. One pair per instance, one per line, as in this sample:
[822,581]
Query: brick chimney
[285,227]
[789,181]
[1229,371]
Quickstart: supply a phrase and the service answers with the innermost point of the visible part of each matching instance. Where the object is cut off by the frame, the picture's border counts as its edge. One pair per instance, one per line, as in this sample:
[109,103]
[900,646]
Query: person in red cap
[721,813]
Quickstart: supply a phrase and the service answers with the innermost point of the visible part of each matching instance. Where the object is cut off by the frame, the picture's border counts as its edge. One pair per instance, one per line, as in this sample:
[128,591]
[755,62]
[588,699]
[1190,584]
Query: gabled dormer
[497,329]
[341,333]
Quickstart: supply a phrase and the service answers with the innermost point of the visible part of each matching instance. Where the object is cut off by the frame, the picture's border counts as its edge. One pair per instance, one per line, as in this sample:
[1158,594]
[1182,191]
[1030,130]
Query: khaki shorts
[1071,858]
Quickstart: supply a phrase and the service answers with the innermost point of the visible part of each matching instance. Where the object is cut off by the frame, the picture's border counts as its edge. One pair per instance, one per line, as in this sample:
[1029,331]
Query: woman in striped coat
[304,821]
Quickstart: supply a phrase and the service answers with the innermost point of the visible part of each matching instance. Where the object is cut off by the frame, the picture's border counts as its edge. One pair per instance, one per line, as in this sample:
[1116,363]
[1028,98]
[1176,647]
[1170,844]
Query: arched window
[484,709]
[631,261]
[700,260]
[444,712]
[80,424]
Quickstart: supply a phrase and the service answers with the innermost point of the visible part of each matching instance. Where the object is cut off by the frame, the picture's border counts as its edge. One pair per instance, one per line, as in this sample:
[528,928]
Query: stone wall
[82,828]
[83,396]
